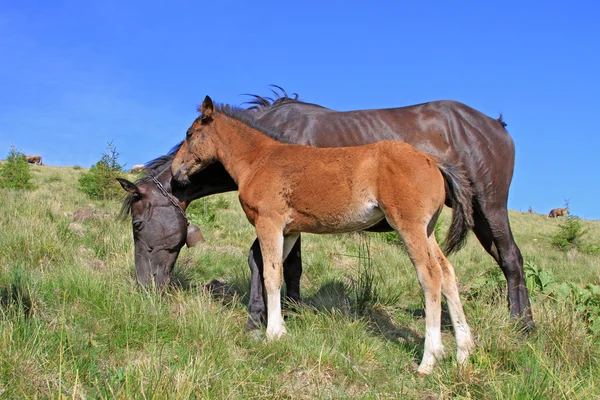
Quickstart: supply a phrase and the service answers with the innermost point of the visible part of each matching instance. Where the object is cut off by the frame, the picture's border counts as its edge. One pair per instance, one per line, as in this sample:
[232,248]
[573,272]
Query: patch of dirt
[321,382]
[96,264]
[77,229]
[86,213]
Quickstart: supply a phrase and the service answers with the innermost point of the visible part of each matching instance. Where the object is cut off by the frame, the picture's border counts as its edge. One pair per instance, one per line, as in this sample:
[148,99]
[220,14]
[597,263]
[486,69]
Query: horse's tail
[459,196]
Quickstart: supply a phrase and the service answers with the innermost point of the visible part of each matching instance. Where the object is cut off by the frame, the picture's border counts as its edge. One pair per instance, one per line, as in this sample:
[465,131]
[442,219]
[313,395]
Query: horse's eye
[137,225]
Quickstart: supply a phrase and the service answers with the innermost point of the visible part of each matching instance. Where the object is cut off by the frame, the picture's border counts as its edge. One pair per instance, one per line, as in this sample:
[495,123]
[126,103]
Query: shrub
[205,210]
[570,233]
[99,182]
[15,172]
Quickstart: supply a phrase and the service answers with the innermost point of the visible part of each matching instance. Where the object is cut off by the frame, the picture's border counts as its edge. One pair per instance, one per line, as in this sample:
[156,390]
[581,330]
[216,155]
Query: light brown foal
[287,189]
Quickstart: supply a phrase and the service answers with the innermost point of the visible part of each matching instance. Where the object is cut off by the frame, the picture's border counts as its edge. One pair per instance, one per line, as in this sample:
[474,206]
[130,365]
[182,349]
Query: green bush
[99,182]
[570,234]
[205,210]
[15,172]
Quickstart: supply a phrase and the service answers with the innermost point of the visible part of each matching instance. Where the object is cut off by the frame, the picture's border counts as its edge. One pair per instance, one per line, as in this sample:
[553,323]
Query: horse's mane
[260,104]
[501,121]
[153,169]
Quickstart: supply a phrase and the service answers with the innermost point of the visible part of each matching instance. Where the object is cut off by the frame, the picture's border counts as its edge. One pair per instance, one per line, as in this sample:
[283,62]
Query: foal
[286,189]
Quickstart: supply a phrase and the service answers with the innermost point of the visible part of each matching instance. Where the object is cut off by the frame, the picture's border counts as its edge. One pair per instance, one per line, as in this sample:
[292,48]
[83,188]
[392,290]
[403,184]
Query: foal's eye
[137,225]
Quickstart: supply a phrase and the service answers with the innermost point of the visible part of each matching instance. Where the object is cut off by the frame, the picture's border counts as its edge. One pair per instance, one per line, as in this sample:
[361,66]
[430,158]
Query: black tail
[459,196]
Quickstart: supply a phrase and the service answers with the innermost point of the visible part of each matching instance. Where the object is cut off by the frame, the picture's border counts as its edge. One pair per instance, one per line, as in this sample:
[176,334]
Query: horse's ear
[129,186]
[207,109]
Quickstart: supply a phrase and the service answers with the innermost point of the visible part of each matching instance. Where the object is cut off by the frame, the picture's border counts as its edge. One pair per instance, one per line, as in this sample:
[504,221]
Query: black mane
[260,104]
[152,169]
[499,119]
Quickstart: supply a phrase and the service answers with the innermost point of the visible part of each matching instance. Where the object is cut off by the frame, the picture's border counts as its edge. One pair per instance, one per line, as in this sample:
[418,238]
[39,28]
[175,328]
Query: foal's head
[198,150]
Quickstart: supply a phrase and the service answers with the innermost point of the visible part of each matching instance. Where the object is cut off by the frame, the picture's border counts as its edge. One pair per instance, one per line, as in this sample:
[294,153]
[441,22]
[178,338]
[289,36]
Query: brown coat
[558,212]
[33,159]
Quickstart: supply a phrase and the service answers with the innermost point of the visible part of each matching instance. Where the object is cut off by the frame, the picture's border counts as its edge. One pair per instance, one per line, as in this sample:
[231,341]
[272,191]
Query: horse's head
[198,150]
[160,229]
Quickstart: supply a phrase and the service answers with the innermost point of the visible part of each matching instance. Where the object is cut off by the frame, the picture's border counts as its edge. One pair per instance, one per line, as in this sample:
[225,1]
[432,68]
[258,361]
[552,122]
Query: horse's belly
[344,221]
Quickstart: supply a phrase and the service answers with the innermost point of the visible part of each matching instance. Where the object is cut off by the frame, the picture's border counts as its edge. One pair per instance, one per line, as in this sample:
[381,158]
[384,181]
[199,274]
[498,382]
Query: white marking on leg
[434,349]
[462,332]
[275,325]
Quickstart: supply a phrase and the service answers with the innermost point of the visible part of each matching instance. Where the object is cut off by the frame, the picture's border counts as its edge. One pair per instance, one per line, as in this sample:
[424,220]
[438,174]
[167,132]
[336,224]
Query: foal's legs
[462,332]
[274,247]
[429,273]
[292,271]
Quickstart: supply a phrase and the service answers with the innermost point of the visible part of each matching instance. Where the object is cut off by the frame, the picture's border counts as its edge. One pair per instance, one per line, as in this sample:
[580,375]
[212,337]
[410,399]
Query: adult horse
[286,189]
[448,130]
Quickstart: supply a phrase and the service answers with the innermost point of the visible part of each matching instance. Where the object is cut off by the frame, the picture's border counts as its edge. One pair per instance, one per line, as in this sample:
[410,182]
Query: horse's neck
[242,149]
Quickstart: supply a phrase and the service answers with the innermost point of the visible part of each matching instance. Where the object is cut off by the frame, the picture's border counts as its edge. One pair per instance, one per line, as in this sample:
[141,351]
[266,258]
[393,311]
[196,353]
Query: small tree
[15,171]
[99,182]
[570,233]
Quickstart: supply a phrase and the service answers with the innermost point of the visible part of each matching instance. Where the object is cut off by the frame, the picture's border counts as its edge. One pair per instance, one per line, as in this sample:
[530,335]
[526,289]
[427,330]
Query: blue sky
[75,75]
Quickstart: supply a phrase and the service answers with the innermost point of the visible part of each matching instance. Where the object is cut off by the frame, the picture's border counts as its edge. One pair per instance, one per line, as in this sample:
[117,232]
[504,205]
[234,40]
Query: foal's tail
[459,196]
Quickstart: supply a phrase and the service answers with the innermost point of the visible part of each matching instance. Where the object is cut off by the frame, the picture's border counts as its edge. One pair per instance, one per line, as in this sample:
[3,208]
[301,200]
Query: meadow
[74,324]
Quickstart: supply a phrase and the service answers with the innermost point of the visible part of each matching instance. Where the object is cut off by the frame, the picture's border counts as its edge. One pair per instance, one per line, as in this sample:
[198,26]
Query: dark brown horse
[448,130]
[286,189]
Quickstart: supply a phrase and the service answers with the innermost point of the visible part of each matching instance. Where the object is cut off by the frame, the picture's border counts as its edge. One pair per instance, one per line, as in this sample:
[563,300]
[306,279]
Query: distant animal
[558,212]
[137,168]
[286,189]
[33,159]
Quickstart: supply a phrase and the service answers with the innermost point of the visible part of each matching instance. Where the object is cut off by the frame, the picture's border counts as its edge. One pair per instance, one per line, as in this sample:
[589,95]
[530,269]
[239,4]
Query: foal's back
[321,190]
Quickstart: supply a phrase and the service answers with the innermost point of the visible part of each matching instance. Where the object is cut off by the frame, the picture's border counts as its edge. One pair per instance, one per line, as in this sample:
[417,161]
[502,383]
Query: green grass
[74,324]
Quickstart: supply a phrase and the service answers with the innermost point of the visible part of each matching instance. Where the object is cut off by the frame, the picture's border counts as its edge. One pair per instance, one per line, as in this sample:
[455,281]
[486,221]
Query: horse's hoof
[276,334]
[256,335]
[527,328]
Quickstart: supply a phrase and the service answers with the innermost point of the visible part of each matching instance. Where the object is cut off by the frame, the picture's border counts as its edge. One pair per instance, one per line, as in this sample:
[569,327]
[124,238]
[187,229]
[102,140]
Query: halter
[171,198]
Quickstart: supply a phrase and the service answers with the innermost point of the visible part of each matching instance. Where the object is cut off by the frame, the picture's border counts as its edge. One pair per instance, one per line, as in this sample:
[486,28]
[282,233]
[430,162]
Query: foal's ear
[129,186]
[207,109]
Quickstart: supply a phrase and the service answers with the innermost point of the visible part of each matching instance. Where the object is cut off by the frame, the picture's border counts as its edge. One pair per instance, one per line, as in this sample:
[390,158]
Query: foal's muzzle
[181,177]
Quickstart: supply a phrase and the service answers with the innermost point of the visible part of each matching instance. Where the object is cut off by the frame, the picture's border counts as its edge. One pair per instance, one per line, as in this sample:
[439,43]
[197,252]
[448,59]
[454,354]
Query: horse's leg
[256,305]
[429,273]
[462,332]
[292,271]
[491,221]
[274,246]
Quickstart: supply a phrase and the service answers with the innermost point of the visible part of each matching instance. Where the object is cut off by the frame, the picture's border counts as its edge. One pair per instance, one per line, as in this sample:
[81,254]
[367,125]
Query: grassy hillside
[74,324]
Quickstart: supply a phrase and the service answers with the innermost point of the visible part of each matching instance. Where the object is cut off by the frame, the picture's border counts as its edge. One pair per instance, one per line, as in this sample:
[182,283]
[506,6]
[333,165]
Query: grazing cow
[137,168]
[558,212]
[33,159]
